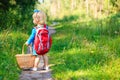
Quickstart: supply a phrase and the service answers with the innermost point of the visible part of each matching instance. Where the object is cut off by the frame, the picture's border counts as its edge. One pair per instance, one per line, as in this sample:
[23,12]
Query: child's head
[39,17]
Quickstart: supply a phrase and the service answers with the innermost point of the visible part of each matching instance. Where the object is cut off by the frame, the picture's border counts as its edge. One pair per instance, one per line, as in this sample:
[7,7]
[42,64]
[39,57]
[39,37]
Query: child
[39,19]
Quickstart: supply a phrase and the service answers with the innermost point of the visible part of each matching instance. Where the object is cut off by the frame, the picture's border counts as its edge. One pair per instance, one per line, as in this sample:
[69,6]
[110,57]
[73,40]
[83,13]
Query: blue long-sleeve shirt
[31,40]
[32,36]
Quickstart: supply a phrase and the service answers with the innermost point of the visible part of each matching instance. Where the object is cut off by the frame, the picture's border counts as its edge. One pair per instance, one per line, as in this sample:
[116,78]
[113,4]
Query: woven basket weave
[25,61]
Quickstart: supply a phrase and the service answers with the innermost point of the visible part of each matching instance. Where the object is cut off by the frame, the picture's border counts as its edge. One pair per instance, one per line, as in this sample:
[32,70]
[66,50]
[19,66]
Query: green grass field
[82,49]
[86,50]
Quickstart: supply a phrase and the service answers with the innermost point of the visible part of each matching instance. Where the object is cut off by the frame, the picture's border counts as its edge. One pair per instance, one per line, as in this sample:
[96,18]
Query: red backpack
[43,41]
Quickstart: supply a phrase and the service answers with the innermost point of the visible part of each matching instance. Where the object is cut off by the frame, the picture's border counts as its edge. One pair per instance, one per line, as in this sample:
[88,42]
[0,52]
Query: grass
[10,45]
[86,50]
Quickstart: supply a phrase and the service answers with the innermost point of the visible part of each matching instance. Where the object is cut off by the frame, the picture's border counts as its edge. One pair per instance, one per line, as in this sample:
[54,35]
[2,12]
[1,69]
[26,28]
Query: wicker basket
[25,61]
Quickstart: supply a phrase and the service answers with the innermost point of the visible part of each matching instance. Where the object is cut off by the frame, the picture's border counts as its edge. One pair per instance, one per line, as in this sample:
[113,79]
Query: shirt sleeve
[46,27]
[32,37]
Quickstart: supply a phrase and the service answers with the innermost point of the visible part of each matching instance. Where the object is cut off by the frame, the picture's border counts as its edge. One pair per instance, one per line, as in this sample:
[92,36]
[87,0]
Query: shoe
[33,69]
[45,68]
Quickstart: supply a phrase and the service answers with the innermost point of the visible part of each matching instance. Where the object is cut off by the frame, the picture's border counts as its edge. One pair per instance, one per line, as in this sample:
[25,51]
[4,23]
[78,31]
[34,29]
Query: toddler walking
[39,19]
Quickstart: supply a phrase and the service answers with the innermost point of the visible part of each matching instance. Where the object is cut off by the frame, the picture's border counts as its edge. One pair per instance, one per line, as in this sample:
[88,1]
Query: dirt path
[36,75]
[40,74]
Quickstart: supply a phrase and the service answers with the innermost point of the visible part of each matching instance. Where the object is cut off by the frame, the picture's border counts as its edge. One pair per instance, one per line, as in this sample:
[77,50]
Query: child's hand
[26,44]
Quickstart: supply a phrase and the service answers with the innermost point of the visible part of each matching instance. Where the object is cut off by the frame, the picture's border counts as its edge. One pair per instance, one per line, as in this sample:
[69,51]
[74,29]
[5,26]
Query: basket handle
[23,49]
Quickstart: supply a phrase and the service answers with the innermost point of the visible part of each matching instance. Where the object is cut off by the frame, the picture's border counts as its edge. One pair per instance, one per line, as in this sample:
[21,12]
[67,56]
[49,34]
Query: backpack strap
[45,26]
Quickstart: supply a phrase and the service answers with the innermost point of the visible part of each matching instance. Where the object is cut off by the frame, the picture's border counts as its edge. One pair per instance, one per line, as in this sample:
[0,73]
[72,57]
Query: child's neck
[39,25]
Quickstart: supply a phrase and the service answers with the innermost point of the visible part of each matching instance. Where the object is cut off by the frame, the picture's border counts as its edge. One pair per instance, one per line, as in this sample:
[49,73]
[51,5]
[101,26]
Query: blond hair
[40,17]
